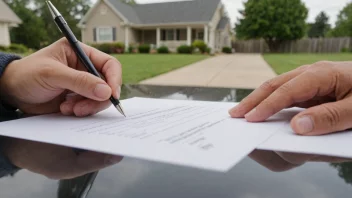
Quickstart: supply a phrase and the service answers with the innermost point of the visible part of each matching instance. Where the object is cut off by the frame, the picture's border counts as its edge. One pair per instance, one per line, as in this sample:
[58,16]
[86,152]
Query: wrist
[6,62]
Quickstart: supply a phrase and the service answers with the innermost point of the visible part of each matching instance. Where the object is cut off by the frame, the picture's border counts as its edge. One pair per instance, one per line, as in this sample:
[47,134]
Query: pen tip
[119,108]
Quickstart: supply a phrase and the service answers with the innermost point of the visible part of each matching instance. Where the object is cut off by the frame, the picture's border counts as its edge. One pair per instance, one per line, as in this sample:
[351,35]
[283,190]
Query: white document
[187,133]
[285,140]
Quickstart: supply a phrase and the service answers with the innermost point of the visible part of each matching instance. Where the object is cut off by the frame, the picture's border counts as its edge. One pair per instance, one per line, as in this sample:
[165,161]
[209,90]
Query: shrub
[118,48]
[163,50]
[110,48]
[104,47]
[185,49]
[208,50]
[198,44]
[18,48]
[227,50]
[3,48]
[344,50]
[144,49]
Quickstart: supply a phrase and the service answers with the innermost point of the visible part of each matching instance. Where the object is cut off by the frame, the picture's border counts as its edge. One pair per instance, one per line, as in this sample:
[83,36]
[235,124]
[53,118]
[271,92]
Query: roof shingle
[168,12]
[222,23]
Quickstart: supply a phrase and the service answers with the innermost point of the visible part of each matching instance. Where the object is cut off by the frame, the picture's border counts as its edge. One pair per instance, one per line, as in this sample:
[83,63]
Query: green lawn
[282,63]
[138,67]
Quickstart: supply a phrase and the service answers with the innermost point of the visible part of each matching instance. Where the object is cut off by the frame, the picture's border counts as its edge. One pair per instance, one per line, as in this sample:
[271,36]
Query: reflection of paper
[189,133]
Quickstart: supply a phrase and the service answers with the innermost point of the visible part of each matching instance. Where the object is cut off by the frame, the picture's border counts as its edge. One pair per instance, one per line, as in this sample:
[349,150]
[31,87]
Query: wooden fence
[310,45]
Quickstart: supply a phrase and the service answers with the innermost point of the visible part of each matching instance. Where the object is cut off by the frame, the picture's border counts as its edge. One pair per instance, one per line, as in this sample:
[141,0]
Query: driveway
[228,71]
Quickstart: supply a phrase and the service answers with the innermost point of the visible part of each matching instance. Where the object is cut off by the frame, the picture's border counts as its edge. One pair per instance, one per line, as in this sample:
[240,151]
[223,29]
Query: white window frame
[98,36]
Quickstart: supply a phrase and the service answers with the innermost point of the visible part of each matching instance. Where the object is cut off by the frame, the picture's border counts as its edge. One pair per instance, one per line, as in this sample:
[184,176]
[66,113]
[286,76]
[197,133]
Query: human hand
[324,88]
[45,81]
[55,162]
[284,161]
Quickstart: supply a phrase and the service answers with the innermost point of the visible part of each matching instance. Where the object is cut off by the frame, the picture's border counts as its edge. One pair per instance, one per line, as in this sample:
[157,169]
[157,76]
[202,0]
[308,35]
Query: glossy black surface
[138,178]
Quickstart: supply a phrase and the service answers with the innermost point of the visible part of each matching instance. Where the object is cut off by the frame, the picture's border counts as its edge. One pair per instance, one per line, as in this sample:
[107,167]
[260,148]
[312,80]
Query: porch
[171,37]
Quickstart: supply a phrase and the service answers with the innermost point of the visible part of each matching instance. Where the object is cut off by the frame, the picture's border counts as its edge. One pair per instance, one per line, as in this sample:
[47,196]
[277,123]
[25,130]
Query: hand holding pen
[65,29]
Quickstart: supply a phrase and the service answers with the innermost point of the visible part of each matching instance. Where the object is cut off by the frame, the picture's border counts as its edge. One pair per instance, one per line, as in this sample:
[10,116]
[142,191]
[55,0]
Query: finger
[263,92]
[80,82]
[66,107]
[91,161]
[313,102]
[323,119]
[294,91]
[108,65]
[296,158]
[113,75]
[271,161]
[89,107]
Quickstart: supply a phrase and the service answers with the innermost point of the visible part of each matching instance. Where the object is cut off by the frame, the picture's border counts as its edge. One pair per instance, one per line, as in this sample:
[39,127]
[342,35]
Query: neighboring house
[8,19]
[168,24]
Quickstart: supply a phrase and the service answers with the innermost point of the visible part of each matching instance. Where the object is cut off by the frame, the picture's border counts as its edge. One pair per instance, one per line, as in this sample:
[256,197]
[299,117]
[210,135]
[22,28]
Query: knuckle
[46,72]
[322,64]
[304,67]
[81,80]
[284,89]
[285,92]
[332,117]
[270,85]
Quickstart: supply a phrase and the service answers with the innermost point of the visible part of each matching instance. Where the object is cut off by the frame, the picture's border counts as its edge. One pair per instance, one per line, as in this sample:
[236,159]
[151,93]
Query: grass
[138,67]
[282,63]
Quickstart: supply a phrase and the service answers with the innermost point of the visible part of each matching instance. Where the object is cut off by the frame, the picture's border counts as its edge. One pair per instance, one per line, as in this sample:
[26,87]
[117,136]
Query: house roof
[222,23]
[168,12]
[7,15]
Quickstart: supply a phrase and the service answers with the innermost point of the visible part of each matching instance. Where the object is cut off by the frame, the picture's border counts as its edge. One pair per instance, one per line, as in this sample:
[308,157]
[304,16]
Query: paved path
[230,71]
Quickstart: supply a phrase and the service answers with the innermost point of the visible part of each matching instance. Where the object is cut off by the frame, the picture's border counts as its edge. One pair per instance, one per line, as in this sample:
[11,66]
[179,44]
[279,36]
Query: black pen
[66,30]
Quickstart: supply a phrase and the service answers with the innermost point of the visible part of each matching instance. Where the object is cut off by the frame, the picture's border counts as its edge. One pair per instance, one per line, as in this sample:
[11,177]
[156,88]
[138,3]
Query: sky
[331,7]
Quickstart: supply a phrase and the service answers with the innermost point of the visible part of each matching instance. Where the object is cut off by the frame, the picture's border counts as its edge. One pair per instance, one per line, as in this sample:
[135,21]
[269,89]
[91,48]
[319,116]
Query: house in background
[8,19]
[168,24]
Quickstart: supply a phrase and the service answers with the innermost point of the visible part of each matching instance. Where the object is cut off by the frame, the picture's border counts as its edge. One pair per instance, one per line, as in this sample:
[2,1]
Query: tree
[31,32]
[71,10]
[344,171]
[321,26]
[343,25]
[276,21]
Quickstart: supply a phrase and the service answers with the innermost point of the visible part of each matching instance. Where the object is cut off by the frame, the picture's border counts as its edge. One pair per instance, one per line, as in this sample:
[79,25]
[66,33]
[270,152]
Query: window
[200,35]
[170,35]
[105,34]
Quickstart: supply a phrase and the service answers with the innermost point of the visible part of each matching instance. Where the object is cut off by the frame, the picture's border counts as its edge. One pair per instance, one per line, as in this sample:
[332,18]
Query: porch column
[158,37]
[127,42]
[212,40]
[206,30]
[189,36]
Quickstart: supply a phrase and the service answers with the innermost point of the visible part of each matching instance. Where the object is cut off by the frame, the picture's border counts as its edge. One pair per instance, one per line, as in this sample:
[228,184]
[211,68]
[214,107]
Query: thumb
[324,119]
[80,82]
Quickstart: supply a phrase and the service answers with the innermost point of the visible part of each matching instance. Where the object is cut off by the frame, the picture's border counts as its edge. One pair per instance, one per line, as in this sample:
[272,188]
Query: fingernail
[118,92]
[305,125]
[102,91]
[113,159]
[251,113]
